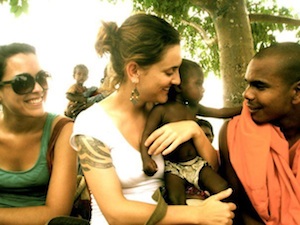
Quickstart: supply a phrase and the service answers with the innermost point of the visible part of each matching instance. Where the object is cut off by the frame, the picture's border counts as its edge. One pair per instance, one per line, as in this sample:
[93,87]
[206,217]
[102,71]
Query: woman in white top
[145,55]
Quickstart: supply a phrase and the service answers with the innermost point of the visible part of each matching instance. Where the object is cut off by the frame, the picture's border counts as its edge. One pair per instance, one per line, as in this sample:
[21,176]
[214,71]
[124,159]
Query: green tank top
[28,188]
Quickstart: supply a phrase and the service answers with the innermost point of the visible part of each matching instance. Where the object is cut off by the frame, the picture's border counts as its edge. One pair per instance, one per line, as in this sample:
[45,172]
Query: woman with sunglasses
[37,165]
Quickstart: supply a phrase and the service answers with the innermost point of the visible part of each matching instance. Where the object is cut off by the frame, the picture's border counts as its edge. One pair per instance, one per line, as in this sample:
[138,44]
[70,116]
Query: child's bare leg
[211,181]
[175,187]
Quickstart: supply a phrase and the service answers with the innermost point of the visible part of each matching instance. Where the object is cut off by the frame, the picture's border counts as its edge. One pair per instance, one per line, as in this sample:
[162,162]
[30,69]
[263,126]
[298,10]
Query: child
[79,96]
[207,128]
[191,74]
[184,164]
[191,191]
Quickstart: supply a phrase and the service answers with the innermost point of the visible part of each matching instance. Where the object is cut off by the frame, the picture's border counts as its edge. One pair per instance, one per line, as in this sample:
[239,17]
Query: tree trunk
[235,45]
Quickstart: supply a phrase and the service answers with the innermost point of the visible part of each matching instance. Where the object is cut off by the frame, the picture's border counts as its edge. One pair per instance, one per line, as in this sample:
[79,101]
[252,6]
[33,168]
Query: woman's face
[31,104]
[155,82]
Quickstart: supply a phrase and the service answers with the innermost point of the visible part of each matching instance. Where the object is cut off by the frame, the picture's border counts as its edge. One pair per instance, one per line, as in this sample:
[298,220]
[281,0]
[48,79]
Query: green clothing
[28,188]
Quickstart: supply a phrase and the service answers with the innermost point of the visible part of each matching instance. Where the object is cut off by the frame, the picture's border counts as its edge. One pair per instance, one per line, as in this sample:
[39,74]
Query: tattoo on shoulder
[93,153]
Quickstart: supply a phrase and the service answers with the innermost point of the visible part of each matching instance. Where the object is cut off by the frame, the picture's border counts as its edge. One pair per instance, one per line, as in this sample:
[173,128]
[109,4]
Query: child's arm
[153,122]
[218,113]
[76,97]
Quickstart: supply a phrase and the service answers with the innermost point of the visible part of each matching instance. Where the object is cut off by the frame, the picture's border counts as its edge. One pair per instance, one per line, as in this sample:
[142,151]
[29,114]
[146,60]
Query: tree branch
[207,40]
[273,19]
[208,5]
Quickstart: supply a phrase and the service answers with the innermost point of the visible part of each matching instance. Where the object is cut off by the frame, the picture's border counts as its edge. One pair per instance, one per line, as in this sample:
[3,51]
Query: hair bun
[107,38]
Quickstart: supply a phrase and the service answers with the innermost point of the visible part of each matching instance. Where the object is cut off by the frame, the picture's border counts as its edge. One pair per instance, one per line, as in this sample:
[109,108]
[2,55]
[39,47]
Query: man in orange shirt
[260,148]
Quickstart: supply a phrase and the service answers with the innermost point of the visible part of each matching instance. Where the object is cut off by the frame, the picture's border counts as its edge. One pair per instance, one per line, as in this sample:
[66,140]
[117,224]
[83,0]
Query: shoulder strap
[56,131]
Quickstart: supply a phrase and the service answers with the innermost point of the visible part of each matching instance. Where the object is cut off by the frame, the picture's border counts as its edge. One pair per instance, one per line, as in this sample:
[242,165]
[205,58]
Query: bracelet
[160,210]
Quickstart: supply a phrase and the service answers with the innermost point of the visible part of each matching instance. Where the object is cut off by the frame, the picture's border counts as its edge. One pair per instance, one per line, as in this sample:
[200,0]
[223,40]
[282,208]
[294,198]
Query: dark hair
[7,51]
[202,122]
[186,67]
[81,67]
[288,54]
[185,71]
[141,38]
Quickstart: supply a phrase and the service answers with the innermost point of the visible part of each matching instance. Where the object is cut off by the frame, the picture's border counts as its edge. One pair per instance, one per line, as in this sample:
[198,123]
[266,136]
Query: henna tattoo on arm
[93,153]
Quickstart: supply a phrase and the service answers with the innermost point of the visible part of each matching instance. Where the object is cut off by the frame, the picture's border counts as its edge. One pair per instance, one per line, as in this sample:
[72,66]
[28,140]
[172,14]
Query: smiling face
[268,97]
[155,81]
[28,104]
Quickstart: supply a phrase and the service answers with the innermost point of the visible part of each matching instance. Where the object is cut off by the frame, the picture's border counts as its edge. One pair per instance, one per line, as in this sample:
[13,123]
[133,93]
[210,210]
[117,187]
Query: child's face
[192,88]
[80,76]
[208,133]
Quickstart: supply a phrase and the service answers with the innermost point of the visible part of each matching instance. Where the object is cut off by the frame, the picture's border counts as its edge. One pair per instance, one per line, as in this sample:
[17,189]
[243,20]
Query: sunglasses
[24,83]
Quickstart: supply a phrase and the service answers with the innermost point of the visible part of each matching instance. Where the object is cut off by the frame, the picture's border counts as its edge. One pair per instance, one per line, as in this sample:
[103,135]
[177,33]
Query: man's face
[268,96]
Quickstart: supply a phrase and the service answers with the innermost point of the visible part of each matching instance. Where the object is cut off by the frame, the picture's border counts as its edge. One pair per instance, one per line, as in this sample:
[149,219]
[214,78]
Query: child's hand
[149,167]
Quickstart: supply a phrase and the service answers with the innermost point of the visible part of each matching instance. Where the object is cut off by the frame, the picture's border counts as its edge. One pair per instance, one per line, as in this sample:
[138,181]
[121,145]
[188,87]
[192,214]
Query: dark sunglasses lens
[23,84]
[41,78]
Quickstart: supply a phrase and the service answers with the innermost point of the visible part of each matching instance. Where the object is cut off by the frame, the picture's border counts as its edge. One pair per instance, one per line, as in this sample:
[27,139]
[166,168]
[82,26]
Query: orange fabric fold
[260,155]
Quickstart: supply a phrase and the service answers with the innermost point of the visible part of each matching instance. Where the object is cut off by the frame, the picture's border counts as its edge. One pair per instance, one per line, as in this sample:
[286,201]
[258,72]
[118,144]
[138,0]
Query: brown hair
[141,38]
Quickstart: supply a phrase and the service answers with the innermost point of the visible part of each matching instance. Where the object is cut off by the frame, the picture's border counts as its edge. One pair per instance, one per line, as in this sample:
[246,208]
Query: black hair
[9,50]
[288,54]
[202,122]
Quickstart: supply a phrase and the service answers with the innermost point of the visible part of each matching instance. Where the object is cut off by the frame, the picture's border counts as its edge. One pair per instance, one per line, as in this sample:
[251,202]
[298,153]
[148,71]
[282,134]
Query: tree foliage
[264,29]
[203,45]
[221,35]
[17,7]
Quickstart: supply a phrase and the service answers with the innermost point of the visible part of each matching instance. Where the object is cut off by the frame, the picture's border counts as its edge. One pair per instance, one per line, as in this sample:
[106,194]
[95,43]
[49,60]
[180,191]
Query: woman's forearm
[35,215]
[209,212]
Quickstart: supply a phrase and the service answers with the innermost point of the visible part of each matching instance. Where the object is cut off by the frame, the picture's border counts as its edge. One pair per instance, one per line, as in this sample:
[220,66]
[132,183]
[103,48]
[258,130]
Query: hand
[168,137]
[218,212]
[149,167]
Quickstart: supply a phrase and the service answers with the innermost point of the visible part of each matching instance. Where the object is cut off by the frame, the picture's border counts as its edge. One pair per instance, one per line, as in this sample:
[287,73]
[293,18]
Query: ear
[296,91]
[132,72]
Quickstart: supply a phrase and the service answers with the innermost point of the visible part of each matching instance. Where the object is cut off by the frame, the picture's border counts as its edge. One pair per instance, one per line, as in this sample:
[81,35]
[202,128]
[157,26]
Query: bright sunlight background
[64,32]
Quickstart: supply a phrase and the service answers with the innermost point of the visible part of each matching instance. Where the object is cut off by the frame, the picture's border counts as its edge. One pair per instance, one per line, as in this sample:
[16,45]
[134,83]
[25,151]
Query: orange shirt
[260,156]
